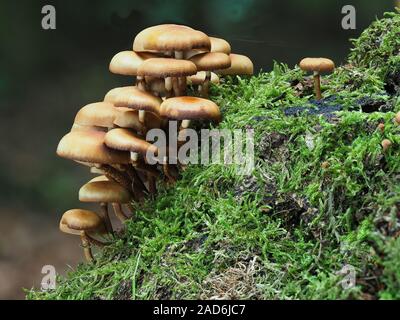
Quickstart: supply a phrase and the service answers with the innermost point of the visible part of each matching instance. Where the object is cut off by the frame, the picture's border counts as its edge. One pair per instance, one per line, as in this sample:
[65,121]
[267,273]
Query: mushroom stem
[142,116]
[106,217]
[176,88]
[205,87]
[168,83]
[317,85]
[182,83]
[96,242]
[179,55]
[141,83]
[134,157]
[119,213]
[86,247]
[185,124]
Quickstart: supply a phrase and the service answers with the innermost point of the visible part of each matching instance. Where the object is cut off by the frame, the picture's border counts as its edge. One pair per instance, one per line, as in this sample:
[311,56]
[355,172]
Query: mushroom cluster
[109,137]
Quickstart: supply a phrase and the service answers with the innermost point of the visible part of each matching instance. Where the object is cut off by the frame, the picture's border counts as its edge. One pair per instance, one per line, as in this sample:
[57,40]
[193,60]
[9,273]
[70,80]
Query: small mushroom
[133,98]
[82,223]
[190,108]
[126,140]
[210,61]
[397,118]
[89,147]
[127,62]
[169,69]
[325,165]
[317,66]
[386,144]
[381,127]
[220,45]
[171,38]
[105,192]
[187,109]
[240,65]
[100,114]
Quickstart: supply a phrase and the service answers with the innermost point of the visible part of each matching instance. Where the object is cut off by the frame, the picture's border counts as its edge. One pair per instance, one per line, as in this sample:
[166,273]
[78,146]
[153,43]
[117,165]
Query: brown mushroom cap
[77,220]
[165,67]
[127,62]
[190,108]
[133,98]
[397,118]
[209,61]
[200,77]
[88,146]
[104,191]
[386,144]
[220,45]
[170,37]
[240,65]
[126,140]
[317,64]
[100,114]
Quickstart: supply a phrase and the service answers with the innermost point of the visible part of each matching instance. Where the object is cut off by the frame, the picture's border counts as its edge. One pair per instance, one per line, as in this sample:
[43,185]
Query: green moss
[286,231]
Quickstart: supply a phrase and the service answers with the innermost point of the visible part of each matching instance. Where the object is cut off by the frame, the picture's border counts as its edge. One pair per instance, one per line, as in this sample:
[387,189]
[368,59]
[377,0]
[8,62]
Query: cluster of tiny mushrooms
[109,136]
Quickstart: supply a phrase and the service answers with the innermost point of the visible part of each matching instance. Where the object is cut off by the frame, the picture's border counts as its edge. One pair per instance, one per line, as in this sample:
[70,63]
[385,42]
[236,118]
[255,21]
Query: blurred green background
[47,76]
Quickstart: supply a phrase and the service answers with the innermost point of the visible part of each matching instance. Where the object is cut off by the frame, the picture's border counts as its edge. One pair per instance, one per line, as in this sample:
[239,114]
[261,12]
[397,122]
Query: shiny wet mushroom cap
[126,140]
[190,108]
[210,61]
[88,146]
[220,45]
[127,62]
[134,98]
[104,191]
[74,221]
[101,114]
[317,64]
[169,38]
[165,67]
[240,65]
